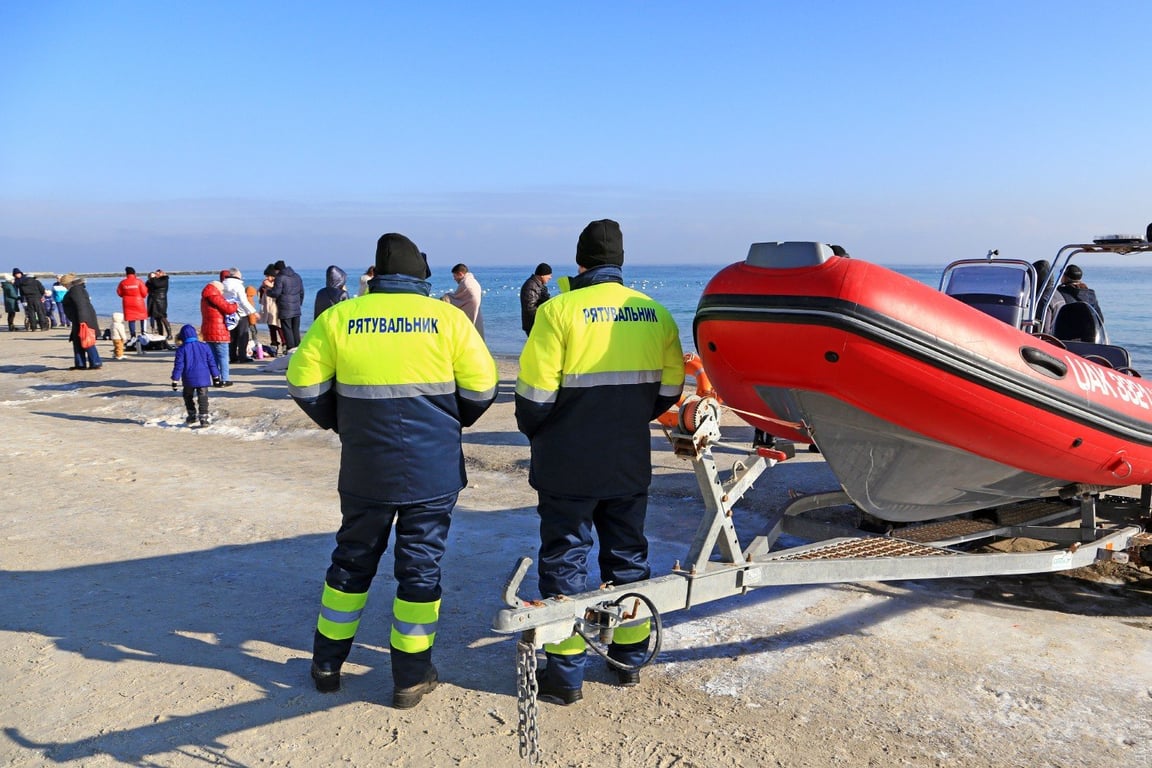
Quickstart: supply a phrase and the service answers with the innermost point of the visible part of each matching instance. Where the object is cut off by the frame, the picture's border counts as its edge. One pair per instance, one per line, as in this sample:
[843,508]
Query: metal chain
[527,709]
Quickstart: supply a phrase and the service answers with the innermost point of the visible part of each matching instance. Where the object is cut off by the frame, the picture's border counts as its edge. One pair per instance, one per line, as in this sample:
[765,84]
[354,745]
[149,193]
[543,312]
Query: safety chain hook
[527,709]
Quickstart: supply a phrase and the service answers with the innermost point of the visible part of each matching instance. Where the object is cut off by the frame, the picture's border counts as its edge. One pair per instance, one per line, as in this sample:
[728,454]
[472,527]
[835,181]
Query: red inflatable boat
[928,403]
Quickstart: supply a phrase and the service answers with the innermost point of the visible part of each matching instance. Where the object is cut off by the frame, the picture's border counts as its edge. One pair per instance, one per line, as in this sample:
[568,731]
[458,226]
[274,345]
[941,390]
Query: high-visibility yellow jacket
[396,374]
[601,362]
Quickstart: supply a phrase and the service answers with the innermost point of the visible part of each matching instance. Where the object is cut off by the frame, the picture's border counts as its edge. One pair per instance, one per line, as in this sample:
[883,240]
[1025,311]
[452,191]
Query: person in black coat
[1074,289]
[533,293]
[287,288]
[157,285]
[78,309]
[32,294]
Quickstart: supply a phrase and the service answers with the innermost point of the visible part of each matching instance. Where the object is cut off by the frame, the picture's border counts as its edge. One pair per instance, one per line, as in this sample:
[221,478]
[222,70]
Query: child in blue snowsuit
[196,367]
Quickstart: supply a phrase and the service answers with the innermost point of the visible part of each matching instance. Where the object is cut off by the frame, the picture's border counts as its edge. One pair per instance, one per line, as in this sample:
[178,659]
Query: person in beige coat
[271,314]
[467,296]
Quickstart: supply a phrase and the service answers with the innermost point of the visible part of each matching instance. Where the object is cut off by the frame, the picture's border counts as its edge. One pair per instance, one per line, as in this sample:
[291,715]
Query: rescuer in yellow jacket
[397,374]
[600,363]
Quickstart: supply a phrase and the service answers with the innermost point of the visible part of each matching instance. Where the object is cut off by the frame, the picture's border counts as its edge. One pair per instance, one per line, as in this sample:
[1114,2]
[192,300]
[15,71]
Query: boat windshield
[1005,290]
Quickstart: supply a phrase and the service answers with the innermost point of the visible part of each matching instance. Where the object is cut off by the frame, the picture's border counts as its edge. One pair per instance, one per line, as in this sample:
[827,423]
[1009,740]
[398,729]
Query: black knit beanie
[397,255]
[600,243]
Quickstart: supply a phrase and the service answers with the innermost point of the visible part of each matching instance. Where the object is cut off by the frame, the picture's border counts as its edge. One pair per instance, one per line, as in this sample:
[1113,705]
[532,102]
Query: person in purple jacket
[196,367]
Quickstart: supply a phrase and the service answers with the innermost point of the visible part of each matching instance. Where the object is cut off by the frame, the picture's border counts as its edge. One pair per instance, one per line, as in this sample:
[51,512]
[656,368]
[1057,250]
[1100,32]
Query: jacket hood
[336,278]
[188,333]
[213,287]
[117,317]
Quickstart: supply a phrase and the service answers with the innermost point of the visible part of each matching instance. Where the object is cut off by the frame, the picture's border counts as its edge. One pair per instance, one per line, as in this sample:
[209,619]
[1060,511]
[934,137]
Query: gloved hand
[217,382]
[175,385]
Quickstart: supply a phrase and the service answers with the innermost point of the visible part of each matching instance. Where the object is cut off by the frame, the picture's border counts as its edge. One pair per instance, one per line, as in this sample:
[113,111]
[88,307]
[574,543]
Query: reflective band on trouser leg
[573,646]
[414,625]
[633,632]
[340,613]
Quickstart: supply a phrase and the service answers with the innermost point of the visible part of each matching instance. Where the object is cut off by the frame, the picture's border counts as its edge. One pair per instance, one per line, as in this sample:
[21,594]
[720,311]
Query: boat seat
[1116,356]
[1077,322]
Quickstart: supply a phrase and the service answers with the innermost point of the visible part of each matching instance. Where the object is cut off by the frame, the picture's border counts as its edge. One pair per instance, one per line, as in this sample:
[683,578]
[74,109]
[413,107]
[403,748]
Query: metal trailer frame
[924,551]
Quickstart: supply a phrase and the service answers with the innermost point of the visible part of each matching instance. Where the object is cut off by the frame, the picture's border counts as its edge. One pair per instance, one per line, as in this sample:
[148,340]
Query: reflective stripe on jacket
[397,375]
[600,363]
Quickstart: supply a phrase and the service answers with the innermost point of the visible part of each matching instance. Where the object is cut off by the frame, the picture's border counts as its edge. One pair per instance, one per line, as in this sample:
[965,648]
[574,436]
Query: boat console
[788,255]
[1025,296]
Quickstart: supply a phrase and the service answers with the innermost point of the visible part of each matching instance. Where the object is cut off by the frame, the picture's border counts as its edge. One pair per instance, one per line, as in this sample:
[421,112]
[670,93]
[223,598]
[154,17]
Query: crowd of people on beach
[277,300]
[42,308]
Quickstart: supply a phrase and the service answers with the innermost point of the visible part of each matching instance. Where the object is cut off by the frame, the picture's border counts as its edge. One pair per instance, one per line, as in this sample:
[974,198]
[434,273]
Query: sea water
[1123,292]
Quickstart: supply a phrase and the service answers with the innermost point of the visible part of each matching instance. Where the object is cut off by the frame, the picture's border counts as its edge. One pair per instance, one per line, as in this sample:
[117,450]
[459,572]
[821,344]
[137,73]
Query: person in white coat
[467,296]
[240,330]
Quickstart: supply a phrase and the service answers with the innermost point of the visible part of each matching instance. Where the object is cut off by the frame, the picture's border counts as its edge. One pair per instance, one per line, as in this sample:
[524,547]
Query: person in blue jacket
[59,290]
[196,367]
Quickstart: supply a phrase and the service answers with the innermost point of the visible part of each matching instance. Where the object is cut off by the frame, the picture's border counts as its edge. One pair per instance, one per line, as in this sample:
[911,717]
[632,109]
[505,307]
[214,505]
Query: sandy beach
[161,585]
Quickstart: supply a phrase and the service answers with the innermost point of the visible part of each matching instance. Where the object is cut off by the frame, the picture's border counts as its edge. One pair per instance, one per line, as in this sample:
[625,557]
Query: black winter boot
[326,678]
[406,698]
[328,656]
[413,675]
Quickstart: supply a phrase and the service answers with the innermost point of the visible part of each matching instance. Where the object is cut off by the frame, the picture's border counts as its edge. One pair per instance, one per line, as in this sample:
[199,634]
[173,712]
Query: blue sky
[191,135]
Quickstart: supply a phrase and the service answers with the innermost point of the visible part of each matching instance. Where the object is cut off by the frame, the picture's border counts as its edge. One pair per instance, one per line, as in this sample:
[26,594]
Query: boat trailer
[834,555]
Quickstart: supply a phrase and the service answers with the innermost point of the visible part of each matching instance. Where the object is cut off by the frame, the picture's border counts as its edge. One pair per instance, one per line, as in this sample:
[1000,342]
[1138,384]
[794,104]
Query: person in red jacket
[134,295]
[214,308]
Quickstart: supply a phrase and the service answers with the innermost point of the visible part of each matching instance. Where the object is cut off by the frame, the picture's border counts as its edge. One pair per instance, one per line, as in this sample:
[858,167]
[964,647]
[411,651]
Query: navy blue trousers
[566,527]
[421,540]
